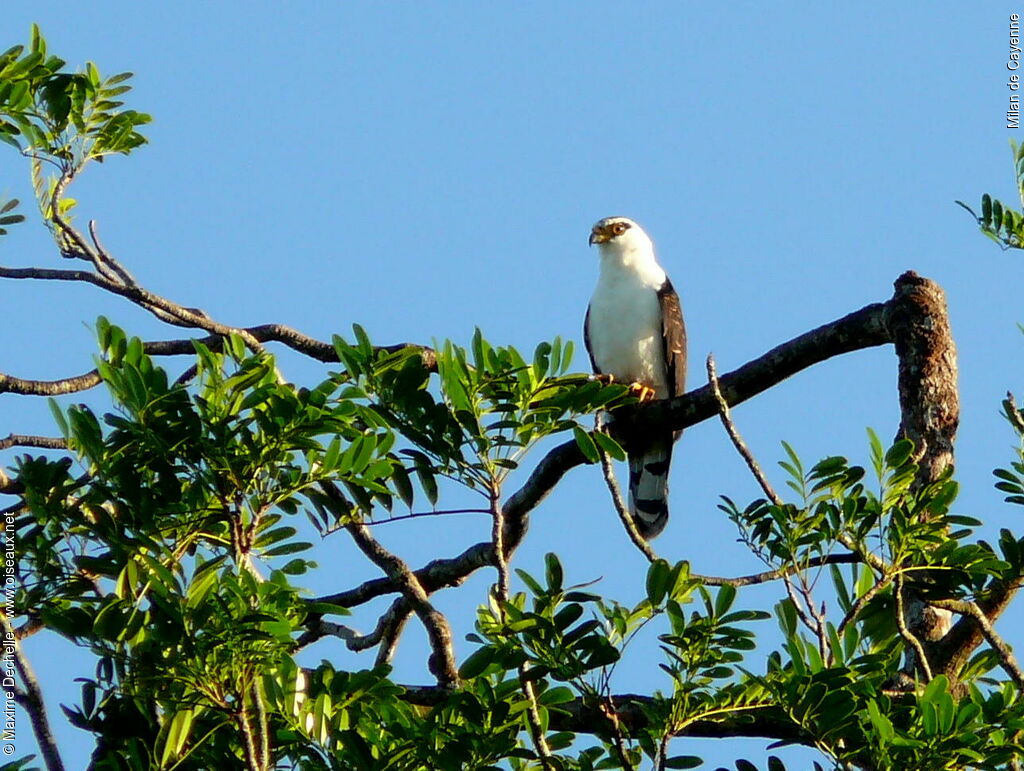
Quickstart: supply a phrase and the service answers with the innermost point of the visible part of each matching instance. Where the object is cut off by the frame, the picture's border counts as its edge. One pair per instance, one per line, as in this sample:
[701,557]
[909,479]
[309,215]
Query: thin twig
[118,269]
[421,514]
[819,628]
[809,615]
[863,600]
[734,435]
[798,605]
[608,708]
[869,557]
[775,575]
[501,591]
[62,226]
[906,634]
[620,505]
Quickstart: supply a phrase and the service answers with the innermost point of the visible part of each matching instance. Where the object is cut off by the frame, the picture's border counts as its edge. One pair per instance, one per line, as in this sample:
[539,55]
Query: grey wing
[673,332]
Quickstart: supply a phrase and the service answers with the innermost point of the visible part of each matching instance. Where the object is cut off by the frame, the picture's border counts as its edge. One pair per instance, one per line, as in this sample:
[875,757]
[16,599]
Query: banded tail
[648,486]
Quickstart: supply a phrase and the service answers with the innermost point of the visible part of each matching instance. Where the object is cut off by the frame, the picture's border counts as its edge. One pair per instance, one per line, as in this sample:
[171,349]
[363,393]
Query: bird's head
[620,237]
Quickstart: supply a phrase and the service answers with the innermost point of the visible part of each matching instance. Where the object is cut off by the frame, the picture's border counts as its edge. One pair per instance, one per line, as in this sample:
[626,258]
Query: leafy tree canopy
[170,538]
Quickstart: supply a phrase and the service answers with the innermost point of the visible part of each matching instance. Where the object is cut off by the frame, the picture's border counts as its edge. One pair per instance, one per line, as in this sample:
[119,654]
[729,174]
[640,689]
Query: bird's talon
[642,392]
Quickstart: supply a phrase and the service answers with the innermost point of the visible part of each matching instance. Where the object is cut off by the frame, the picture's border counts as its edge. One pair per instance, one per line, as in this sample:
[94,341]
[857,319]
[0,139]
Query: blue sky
[424,168]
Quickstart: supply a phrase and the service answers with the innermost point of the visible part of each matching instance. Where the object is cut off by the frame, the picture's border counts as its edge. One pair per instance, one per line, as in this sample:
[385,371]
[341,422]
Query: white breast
[625,328]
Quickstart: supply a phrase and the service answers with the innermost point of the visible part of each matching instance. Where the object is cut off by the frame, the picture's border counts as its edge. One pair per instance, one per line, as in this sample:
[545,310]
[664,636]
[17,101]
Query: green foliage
[169,545]
[172,552]
[172,555]
[61,120]
[568,643]
[998,221]
[490,409]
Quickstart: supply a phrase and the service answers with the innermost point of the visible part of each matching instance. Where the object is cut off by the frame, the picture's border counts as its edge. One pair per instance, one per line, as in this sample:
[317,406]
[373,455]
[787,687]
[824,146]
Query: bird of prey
[634,333]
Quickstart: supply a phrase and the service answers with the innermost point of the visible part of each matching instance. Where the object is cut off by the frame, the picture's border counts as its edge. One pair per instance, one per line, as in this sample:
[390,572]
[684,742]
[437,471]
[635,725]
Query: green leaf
[938,686]
[289,548]
[553,572]
[612,448]
[177,734]
[586,444]
[724,599]
[657,581]
[899,453]
[882,724]
[683,761]
[557,695]
[477,662]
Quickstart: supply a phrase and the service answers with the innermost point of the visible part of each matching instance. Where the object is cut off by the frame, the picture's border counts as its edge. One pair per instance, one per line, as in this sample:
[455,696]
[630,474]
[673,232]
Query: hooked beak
[598,236]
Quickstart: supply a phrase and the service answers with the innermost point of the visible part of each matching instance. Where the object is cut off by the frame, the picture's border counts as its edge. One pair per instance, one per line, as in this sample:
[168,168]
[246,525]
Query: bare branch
[1006,658]
[929,399]
[861,602]
[119,272]
[32,702]
[734,435]
[442,662]
[608,709]
[41,442]
[29,628]
[69,385]
[159,306]
[353,640]
[775,575]
[907,634]
[390,627]
[184,347]
[621,508]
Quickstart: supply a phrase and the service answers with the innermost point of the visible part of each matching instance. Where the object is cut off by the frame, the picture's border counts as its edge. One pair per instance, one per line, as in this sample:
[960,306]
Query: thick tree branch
[929,400]
[918,323]
[862,329]
[69,385]
[438,630]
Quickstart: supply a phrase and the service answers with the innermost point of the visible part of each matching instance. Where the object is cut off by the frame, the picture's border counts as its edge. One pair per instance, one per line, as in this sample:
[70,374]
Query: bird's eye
[619,228]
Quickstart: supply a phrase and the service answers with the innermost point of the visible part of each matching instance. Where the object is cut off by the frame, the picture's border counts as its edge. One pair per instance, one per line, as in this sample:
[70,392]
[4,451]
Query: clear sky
[422,168]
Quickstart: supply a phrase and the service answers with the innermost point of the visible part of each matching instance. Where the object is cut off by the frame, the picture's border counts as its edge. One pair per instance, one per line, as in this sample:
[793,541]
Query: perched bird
[634,333]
